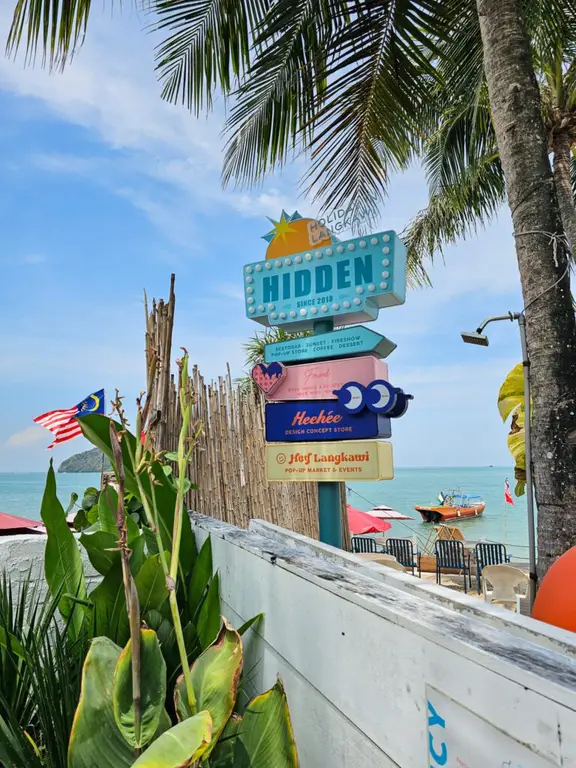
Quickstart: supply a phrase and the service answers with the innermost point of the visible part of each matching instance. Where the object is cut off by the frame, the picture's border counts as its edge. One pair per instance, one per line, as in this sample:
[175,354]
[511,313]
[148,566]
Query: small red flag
[507,493]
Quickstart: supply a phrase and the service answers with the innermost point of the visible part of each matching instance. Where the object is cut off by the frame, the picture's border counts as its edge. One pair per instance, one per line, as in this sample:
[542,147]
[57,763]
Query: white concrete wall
[362,651]
[360,658]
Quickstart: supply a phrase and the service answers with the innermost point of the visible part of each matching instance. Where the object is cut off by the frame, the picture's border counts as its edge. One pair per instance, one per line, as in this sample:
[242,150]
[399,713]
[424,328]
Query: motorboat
[453,505]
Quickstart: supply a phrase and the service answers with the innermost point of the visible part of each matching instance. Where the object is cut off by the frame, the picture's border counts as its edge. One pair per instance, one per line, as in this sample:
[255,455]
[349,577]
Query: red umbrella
[361,522]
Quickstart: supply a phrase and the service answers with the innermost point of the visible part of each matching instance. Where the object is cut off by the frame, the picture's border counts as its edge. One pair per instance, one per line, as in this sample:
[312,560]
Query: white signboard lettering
[457,738]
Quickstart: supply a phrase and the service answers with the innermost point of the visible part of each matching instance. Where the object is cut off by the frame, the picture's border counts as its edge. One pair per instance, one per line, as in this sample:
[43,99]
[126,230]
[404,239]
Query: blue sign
[347,342]
[321,420]
[347,281]
[379,397]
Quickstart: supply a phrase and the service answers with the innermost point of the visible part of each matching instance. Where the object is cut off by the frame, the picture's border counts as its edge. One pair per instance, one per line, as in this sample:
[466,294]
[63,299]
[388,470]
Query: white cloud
[35,258]
[29,436]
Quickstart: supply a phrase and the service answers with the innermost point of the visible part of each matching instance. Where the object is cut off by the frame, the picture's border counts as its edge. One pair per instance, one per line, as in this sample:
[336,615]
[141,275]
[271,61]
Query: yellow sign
[349,460]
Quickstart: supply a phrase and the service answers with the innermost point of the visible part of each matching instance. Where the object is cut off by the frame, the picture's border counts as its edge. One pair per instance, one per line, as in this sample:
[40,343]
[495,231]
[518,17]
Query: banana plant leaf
[62,561]
[209,618]
[95,739]
[215,677]
[109,601]
[152,690]
[96,429]
[511,402]
[200,578]
[265,735]
[183,745]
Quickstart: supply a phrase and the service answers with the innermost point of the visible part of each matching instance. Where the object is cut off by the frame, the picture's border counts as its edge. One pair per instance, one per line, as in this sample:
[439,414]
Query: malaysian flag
[64,423]
[507,493]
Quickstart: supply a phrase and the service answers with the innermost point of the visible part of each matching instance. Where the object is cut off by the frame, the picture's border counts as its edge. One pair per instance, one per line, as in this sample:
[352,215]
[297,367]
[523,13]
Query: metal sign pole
[329,499]
[529,479]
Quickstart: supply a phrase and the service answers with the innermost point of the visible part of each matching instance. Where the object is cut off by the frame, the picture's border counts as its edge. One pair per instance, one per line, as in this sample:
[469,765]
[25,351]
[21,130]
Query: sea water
[500,522]
[21,494]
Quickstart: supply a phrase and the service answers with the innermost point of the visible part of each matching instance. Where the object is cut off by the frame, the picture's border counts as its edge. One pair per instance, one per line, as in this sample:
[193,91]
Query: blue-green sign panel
[348,282]
[347,342]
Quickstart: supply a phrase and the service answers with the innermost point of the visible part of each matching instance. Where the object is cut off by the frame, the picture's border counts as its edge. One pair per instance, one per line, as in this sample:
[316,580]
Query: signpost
[332,462]
[308,281]
[346,342]
[318,381]
[321,420]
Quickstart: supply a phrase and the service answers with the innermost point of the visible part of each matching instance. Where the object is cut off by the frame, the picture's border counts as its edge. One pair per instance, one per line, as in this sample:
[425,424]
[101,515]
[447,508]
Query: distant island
[87,461]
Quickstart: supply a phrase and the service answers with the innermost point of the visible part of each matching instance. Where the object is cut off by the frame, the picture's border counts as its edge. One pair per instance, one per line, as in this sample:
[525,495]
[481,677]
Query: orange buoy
[556,598]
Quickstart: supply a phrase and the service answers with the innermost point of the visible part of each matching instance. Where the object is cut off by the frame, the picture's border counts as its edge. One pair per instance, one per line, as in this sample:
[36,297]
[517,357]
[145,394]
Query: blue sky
[106,190]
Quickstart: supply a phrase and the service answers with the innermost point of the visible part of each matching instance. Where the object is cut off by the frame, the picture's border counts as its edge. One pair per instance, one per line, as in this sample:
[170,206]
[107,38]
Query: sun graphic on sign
[293,234]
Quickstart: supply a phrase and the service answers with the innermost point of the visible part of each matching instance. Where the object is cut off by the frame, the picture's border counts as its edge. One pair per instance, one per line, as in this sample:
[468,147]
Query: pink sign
[317,381]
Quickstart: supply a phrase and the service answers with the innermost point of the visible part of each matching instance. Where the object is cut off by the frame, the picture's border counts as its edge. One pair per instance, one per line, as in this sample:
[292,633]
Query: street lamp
[480,339]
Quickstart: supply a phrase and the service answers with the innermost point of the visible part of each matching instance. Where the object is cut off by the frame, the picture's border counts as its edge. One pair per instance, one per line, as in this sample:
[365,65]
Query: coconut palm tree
[351,84]
[465,176]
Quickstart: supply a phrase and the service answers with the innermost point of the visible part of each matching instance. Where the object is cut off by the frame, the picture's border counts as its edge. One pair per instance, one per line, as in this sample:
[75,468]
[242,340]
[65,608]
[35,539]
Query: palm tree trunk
[563,178]
[551,325]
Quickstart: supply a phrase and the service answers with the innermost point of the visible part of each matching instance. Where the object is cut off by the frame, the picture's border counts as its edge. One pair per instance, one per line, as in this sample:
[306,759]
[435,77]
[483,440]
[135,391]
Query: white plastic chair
[505,580]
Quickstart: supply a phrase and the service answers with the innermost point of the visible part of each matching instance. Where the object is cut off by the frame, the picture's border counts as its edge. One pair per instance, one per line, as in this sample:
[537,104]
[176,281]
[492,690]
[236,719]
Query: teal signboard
[347,342]
[346,281]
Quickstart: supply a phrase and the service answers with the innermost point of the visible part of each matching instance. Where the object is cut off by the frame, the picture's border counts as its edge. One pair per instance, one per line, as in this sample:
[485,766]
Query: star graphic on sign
[281,228]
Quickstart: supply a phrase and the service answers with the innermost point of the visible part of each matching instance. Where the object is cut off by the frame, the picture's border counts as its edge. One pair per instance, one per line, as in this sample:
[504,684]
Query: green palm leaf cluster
[361,87]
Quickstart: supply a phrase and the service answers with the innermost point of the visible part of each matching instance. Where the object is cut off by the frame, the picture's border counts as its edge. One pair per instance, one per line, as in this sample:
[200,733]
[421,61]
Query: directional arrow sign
[347,342]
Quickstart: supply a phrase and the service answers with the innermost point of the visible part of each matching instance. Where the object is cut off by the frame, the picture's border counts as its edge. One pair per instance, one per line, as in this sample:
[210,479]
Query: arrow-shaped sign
[347,342]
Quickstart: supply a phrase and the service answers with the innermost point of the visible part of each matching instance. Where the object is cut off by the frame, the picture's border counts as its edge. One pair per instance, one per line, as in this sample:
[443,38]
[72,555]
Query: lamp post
[480,339]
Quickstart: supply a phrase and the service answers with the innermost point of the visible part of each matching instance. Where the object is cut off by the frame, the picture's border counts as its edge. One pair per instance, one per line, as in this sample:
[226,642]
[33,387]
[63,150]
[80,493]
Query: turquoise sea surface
[21,494]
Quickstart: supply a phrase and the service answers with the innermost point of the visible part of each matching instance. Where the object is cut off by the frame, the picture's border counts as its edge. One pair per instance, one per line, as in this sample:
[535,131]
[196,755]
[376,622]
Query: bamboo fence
[228,464]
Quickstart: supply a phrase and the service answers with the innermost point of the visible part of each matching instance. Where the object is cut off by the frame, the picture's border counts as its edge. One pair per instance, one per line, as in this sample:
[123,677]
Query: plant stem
[152,520]
[132,602]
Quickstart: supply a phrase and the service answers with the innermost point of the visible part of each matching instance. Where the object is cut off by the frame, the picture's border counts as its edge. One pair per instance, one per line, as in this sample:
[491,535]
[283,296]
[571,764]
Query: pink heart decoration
[268,377]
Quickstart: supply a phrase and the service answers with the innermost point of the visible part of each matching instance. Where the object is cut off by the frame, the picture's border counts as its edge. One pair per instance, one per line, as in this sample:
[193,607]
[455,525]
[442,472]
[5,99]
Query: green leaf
[511,394]
[266,733]
[152,690]
[62,560]
[102,550]
[96,429]
[215,677]
[109,602]
[10,642]
[95,739]
[183,745]
[151,584]
[200,579]
[251,622]
[229,751]
[90,498]
[209,618]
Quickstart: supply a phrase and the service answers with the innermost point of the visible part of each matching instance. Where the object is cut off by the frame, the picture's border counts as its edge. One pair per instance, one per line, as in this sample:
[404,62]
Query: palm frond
[276,104]
[56,27]
[254,347]
[207,46]
[456,212]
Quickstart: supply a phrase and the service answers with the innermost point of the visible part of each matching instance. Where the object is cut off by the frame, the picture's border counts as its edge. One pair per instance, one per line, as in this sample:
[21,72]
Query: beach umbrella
[387,513]
[361,522]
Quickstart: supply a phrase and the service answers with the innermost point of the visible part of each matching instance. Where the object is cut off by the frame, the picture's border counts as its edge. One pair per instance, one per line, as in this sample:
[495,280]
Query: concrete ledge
[368,651]
[523,626]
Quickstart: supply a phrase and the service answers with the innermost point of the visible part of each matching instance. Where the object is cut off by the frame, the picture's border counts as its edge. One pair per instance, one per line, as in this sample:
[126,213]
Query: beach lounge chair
[505,580]
[403,551]
[364,544]
[486,553]
[452,555]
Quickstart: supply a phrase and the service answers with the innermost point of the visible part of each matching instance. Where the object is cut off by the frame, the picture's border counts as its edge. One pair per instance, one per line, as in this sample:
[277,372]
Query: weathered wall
[381,670]
[361,658]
